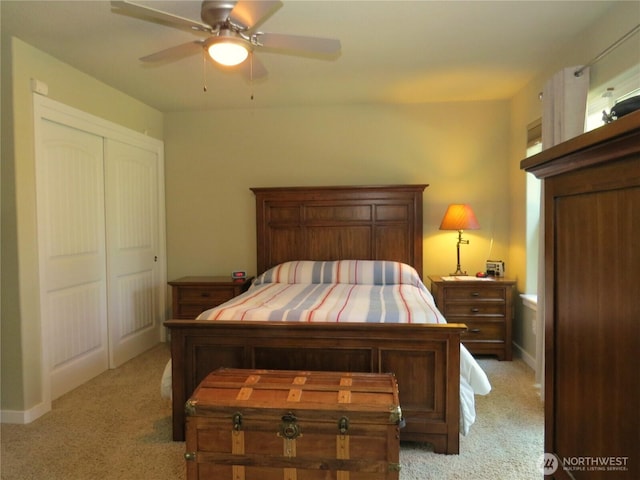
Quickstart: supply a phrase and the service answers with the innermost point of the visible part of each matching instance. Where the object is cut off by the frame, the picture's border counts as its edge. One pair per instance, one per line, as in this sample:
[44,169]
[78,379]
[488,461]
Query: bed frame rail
[424,358]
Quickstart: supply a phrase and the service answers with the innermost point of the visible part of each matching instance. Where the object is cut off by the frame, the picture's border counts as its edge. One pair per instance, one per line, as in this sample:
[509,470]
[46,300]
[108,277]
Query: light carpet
[118,427]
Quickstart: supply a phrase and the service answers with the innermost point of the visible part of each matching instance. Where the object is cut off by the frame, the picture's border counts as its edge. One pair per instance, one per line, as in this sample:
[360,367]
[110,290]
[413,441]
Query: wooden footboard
[424,358]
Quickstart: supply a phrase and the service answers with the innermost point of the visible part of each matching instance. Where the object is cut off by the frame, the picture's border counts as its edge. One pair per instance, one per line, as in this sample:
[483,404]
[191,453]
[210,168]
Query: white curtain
[564,105]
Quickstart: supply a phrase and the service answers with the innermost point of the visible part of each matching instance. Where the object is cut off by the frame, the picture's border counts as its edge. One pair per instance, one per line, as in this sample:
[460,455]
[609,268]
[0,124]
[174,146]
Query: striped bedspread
[350,291]
[340,291]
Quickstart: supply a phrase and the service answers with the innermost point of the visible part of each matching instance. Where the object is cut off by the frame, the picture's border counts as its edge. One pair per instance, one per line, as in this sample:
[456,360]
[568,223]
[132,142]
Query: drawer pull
[205,294]
[475,310]
[475,294]
[474,330]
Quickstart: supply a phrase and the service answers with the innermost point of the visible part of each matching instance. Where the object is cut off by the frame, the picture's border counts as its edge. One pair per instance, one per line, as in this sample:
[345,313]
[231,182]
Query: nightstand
[485,306]
[193,295]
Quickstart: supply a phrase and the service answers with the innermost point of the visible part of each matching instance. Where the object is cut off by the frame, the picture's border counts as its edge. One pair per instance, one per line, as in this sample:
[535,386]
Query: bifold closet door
[71,235]
[132,200]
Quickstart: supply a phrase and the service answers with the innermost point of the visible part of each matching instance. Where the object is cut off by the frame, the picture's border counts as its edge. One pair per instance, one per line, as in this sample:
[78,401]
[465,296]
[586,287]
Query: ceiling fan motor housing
[216,12]
[227,35]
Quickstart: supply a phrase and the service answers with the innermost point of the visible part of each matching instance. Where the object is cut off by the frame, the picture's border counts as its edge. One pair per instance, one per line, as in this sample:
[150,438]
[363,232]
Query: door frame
[45,108]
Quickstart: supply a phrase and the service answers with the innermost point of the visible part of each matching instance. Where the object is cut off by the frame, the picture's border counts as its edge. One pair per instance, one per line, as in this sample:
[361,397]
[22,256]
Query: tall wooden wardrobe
[592,298]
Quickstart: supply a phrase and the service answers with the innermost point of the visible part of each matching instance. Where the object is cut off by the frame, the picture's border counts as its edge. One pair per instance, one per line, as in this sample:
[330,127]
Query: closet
[592,312]
[100,210]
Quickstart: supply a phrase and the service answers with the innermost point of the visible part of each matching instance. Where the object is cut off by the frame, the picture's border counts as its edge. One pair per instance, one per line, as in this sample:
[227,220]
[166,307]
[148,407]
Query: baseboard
[22,417]
[525,356]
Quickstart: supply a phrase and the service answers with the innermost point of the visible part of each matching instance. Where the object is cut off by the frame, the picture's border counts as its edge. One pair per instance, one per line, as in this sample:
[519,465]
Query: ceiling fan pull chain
[251,74]
[204,70]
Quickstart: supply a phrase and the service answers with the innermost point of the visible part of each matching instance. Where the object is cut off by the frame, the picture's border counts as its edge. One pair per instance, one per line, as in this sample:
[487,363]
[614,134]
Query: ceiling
[392,51]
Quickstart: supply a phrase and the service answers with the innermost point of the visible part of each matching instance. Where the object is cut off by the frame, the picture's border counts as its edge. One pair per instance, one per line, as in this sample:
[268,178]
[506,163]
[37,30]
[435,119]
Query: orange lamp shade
[459,217]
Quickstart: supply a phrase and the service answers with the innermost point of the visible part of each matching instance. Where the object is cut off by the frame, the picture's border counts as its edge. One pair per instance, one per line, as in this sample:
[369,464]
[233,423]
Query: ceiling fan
[230,37]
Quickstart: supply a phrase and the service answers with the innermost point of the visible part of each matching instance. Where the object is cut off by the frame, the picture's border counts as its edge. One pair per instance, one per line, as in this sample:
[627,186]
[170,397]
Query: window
[534,145]
[604,97]
[600,98]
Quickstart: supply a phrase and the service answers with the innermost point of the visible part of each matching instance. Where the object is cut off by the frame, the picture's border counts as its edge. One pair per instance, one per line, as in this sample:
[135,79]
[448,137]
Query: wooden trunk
[293,425]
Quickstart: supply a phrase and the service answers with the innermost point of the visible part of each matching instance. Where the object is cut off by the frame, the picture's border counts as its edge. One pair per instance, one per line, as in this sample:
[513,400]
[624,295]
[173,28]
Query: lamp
[228,48]
[459,217]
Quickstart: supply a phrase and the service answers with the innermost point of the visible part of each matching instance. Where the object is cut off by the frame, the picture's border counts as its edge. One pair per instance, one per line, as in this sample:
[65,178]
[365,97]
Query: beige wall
[526,107]
[21,341]
[213,158]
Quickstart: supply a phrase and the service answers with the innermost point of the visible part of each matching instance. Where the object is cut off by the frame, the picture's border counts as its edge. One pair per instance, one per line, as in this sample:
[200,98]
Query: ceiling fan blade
[298,43]
[248,13]
[165,18]
[175,53]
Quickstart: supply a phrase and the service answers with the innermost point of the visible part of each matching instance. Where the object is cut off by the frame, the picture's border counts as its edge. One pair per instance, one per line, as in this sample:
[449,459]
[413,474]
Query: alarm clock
[495,268]
[238,274]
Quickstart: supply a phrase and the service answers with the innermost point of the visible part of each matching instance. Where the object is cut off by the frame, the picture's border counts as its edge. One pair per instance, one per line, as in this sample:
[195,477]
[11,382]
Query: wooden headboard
[339,223]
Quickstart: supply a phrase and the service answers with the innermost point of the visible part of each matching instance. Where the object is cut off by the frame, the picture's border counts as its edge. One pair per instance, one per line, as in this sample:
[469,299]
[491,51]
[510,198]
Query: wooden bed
[335,223]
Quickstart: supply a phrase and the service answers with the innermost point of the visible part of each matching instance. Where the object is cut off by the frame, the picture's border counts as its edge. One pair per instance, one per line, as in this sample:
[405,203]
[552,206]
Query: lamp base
[460,242]
[458,272]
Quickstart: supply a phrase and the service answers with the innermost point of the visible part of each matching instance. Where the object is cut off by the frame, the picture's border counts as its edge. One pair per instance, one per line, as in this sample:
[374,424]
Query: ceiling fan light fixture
[228,51]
